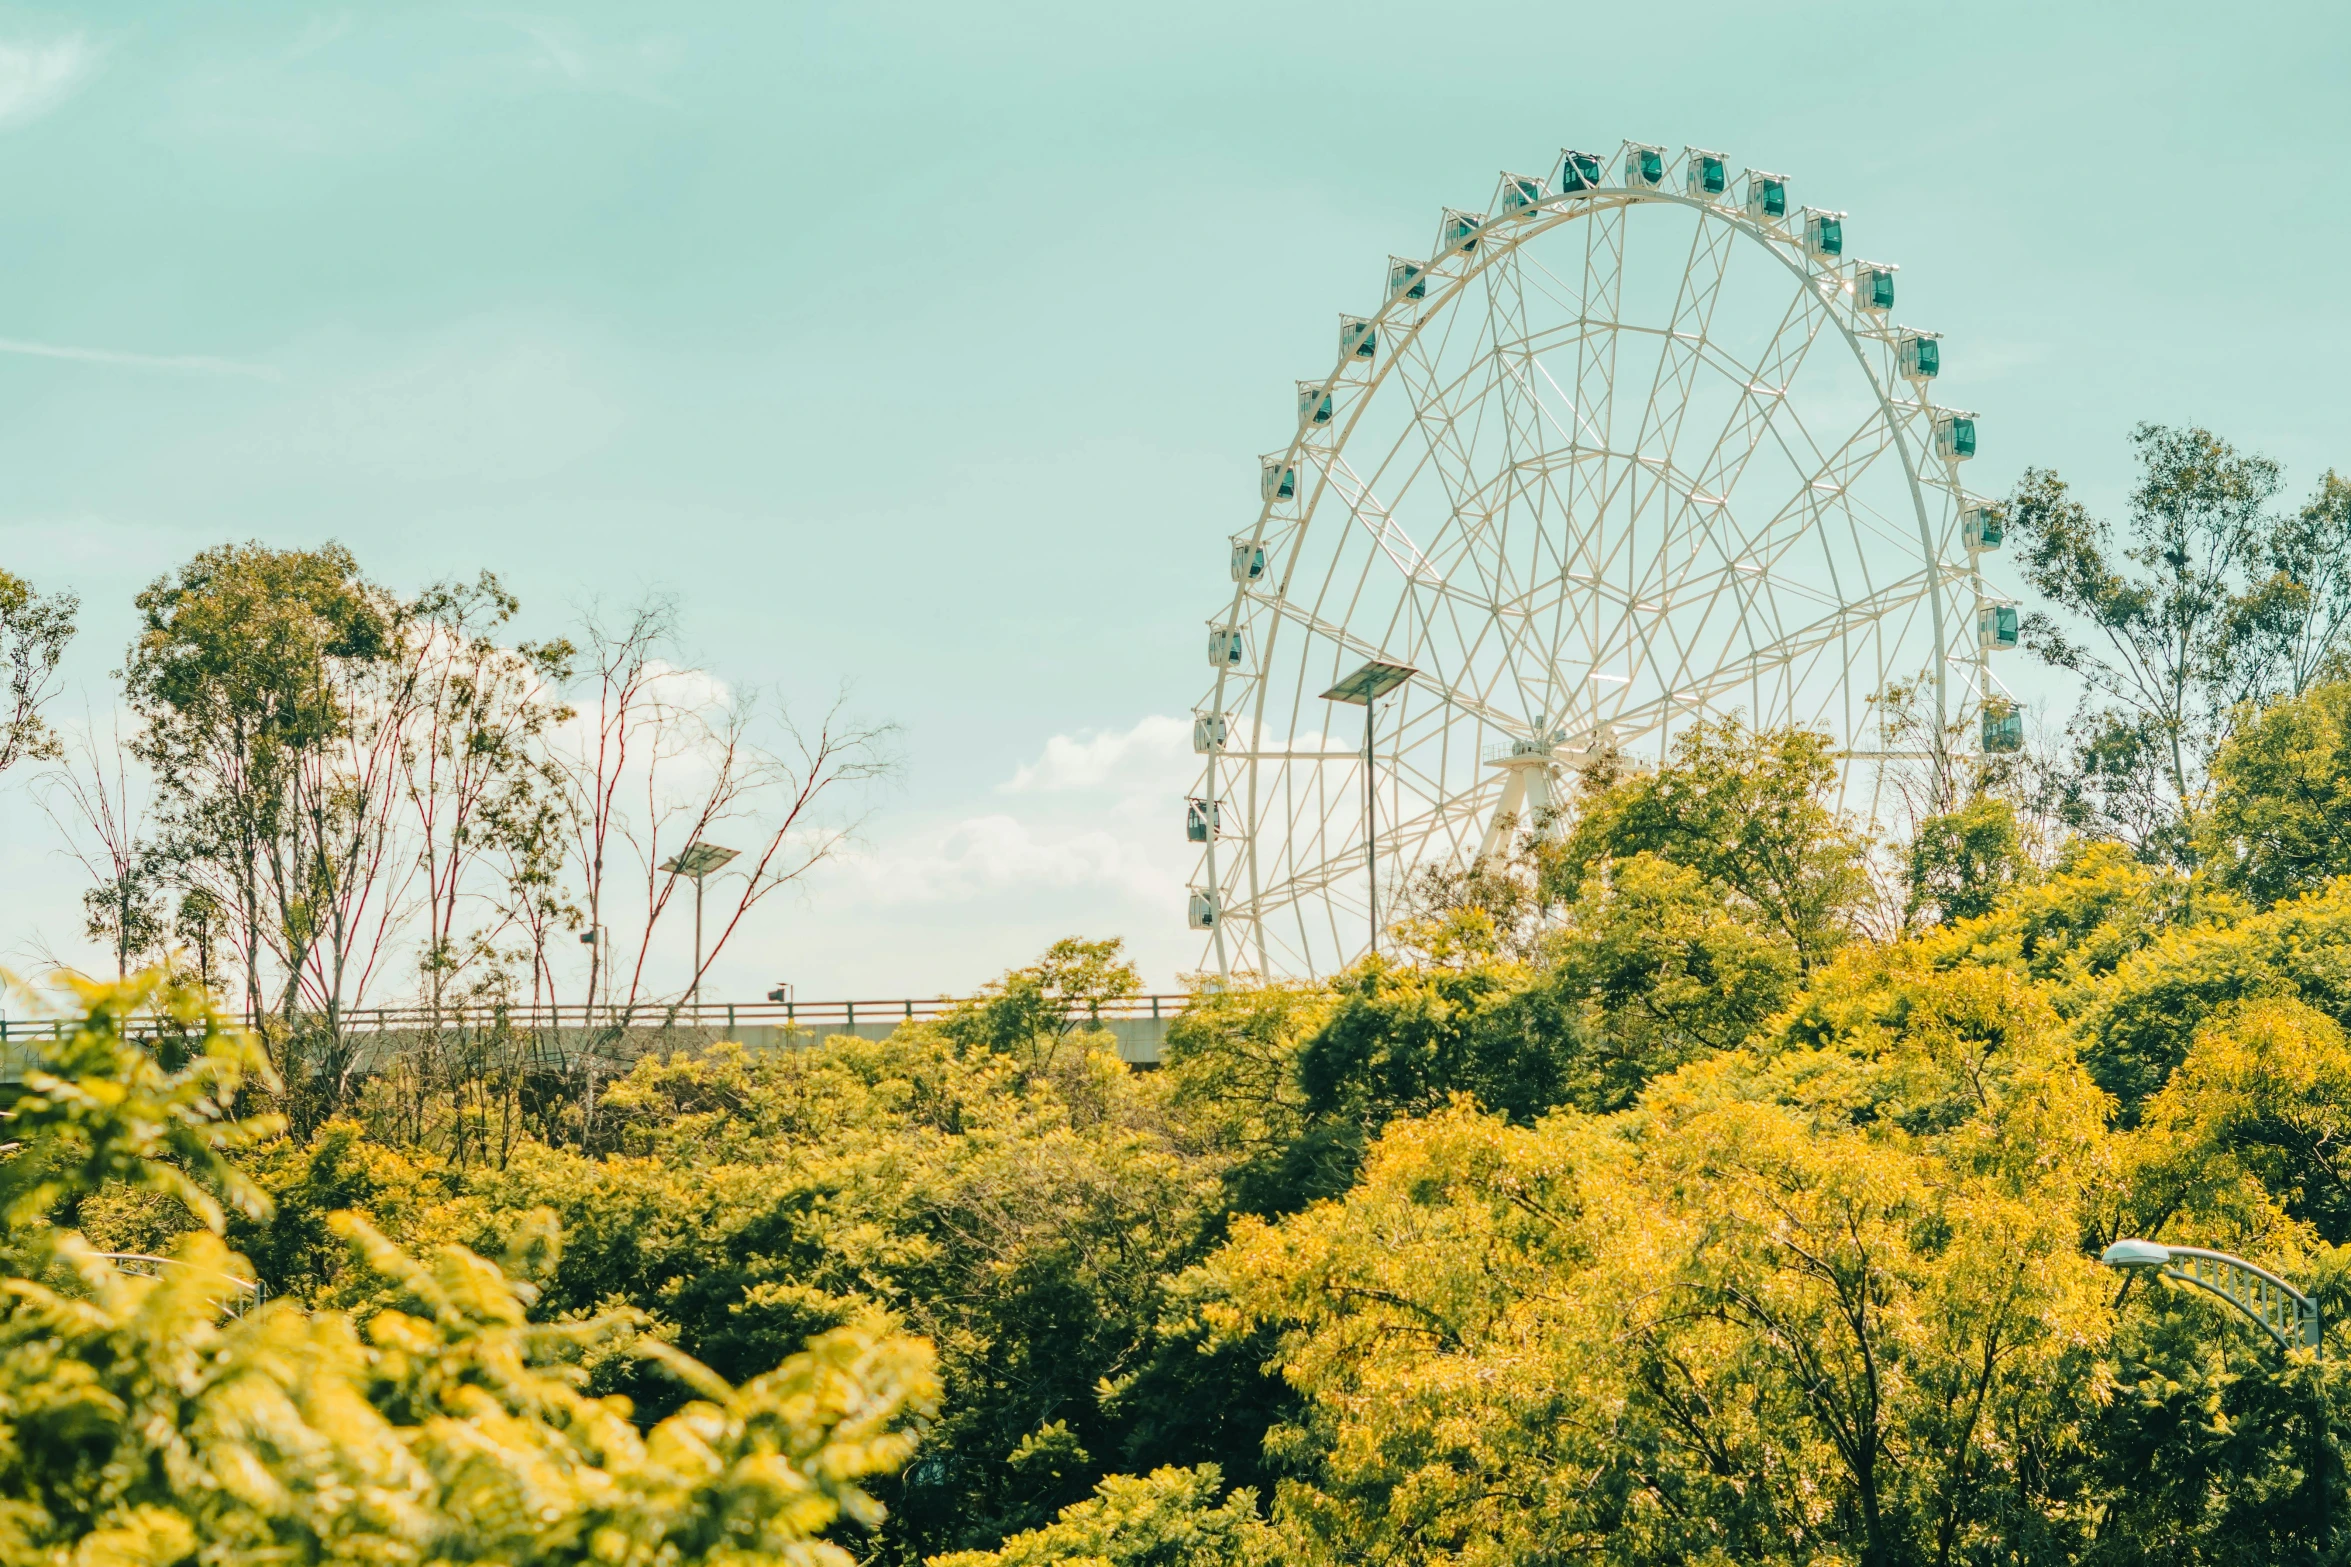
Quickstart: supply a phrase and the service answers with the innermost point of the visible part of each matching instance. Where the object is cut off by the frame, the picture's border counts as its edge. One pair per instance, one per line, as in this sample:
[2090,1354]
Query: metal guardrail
[245,1294]
[812,1015]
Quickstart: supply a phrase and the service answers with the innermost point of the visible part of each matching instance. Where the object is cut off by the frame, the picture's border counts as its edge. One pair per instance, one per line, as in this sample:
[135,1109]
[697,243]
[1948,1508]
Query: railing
[815,1016]
[244,1294]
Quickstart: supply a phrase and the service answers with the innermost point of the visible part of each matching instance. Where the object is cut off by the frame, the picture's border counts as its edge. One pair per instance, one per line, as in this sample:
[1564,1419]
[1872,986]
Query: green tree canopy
[2209,600]
[172,1419]
[1747,810]
[34,629]
[2280,819]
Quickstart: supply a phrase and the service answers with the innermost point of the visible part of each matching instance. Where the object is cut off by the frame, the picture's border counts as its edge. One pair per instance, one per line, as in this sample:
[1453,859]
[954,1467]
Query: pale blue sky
[932,346]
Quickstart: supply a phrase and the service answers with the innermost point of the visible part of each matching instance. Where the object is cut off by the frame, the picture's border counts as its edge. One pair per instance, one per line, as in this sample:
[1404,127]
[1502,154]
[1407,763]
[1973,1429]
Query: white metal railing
[812,1015]
[246,1293]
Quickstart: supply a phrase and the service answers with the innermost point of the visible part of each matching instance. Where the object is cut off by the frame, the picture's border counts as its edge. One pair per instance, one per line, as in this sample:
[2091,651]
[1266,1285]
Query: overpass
[1138,1025]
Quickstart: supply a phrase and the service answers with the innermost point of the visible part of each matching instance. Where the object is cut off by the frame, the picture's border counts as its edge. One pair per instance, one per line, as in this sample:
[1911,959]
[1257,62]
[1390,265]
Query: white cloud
[1103,759]
[200,364]
[983,856]
[1115,828]
[37,77]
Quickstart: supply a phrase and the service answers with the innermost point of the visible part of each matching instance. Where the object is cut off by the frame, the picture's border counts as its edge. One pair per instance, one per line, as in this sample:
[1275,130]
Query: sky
[929,348]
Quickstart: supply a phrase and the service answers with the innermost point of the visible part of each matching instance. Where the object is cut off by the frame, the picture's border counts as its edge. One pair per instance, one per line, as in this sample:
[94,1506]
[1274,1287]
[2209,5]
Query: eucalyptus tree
[246,677]
[34,629]
[2206,600]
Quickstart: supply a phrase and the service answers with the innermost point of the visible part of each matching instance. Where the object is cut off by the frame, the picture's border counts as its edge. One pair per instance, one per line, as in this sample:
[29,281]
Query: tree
[2280,819]
[1169,1518]
[2210,602]
[166,1419]
[664,758]
[1654,967]
[1406,1037]
[1028,1218]
[100,812]
[34,629]
[2297,627]
[243,676]
[1749,812]
[1723,1332]
[1030,1012]
[471,770]
[1961,862]
[2139,1022]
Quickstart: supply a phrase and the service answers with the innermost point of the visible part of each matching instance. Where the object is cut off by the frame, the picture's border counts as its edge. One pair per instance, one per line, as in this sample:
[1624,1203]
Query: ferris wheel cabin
[1706,175]
[1824,234]
[1873,286]
[1982,527]
[1919,355]
[1767,195]
[1578,172]
[1955,437]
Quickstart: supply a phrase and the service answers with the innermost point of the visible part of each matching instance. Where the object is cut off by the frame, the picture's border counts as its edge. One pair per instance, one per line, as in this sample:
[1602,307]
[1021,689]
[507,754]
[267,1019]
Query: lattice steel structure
[1638,444]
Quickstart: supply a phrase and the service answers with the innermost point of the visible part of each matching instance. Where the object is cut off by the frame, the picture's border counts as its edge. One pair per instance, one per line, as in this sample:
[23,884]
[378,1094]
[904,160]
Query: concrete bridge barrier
[378,1036]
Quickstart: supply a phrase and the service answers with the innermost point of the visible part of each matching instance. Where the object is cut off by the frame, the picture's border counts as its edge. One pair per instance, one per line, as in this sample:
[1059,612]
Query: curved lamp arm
[2280,1310]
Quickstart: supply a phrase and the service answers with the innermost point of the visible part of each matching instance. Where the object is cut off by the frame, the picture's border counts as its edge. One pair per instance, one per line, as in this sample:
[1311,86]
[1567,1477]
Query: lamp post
[697,860]
[2280,1310]
[598,941]
[1363,688]
[2291,1318]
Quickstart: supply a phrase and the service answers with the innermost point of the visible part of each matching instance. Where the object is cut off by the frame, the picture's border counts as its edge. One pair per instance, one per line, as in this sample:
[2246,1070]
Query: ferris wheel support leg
[1511,806]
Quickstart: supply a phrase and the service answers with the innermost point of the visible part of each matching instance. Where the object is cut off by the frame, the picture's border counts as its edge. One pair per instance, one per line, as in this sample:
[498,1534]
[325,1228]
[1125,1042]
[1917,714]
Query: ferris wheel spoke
[1443,439]
[1516,509]
[1834,473]
[1764,393]
[1457,813]
[1806,641]
[1682,351]
[1428,682]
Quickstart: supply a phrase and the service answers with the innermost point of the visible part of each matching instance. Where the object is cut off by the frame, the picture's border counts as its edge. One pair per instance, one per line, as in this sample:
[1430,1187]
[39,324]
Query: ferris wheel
[1639,445]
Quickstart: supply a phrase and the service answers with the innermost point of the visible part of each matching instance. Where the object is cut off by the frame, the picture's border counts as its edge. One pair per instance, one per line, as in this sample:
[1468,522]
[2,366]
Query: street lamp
[1364,687]
[598,941]
[2287,1315]
[2282,1311]
[697,860]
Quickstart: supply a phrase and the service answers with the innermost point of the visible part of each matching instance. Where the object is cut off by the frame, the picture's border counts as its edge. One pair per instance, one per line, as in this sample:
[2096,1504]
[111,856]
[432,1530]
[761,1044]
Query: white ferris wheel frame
[1231,899]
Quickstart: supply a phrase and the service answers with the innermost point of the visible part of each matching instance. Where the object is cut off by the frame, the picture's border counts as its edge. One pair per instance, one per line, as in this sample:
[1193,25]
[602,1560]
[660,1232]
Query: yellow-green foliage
[1023,1212]
[164,1420]
[1168,1518]
[1791,1303]
[1695,1226]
